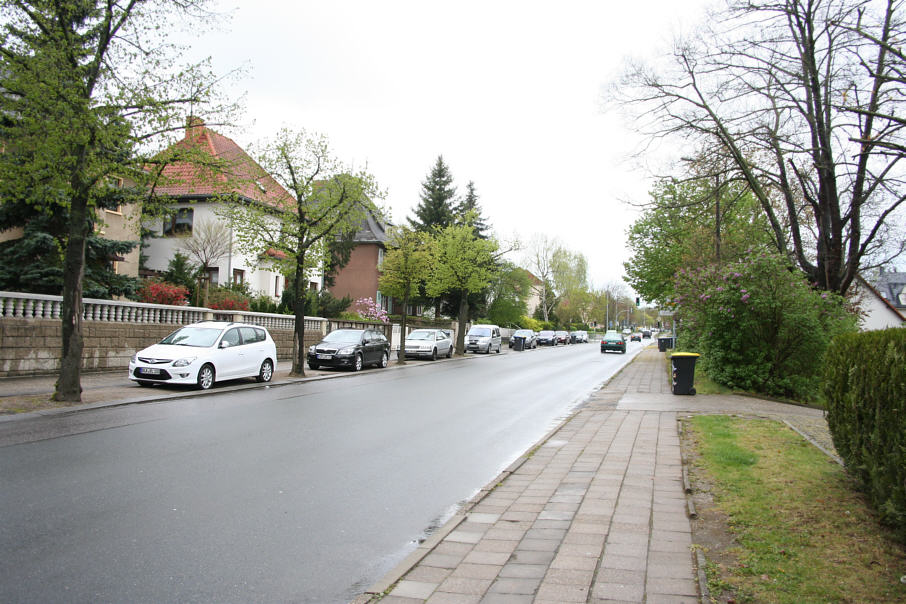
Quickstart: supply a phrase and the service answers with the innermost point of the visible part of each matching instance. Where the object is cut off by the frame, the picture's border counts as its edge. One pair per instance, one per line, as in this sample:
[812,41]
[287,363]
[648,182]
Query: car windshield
[344,336]
[480,331]
[546,334]
[421,334]
[522,332]
[202,337]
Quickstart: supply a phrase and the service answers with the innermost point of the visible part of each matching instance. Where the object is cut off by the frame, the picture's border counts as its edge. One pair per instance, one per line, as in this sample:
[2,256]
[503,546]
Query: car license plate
[325,357]
[150,371]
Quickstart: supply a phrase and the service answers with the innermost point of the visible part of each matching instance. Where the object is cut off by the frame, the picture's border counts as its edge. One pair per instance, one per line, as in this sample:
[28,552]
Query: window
[380,257]
[250,335]
[277,290]
[179,223]
[231,337]
[213,275]
[238,276]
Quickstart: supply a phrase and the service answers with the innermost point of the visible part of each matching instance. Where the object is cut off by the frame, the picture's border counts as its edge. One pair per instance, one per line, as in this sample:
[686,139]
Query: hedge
[865,390]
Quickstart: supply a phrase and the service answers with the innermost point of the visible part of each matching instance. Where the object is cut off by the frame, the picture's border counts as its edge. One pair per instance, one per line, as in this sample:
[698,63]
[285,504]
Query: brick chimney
[194,126]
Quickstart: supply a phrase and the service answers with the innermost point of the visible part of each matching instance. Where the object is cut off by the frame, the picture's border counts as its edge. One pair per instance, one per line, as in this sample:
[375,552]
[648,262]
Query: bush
[224,298]
[759,325]
[530,323]
[865,390]
[370,310]
[158,291]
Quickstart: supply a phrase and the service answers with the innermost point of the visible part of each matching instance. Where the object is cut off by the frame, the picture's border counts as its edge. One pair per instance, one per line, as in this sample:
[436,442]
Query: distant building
[891,286]
[877,311]
[195,191]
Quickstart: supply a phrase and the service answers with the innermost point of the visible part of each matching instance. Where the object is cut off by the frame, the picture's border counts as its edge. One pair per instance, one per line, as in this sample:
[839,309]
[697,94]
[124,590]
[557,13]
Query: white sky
[508,92]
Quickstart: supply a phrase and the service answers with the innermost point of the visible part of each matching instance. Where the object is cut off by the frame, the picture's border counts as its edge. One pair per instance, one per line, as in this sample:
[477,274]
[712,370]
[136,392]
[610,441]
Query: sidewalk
[596,512]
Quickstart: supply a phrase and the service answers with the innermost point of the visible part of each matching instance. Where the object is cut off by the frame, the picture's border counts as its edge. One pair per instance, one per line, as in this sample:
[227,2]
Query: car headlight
[346,350]
[184,362]
[134,360]
[311,349]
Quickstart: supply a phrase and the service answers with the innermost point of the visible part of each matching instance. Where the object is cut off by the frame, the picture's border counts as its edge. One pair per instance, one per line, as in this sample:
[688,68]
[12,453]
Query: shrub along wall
[865,388]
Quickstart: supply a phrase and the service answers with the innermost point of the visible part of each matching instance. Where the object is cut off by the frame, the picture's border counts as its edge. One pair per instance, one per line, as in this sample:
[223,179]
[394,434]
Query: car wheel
[266,372]
[498,349]
[434,354]
[313,366]
[385,359]
[206,376]
[358,363]
[488,351]
[450,351]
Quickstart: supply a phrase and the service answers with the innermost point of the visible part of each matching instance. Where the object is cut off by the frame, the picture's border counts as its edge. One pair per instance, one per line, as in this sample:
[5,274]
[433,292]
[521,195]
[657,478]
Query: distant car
[646,334]
[579,337]
[627,331]
[483,338]
[429,344]
[636,337]
[531,340]
[205,352]
[613,340]
[547,338]
[562,337]
[351,349]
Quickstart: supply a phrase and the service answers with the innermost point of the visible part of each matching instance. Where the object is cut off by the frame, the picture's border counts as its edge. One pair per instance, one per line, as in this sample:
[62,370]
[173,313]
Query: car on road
[613,340]
[429,344]
[483,338]
[579,337]
[531,340]
[636,337]
[646,334]
[547,337]
[562,337]
[350,349]
[207,352]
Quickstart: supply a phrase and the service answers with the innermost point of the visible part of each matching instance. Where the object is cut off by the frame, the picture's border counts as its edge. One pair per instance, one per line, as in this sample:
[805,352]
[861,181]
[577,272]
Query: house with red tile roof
[206,167]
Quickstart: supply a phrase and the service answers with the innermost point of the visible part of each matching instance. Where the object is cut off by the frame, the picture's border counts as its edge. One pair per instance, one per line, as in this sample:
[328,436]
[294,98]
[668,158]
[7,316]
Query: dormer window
[260,186]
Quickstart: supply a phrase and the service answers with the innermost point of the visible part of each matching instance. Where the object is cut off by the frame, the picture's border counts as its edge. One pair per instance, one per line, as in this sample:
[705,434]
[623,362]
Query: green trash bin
[683,372]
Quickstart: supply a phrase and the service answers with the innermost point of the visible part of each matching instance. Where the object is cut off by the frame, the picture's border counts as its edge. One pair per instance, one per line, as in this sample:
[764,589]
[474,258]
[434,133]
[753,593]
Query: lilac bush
[758,324]
[370,310]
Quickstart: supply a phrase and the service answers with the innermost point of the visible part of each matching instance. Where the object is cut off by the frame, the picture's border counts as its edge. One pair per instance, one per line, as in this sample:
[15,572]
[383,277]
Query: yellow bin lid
[685,354]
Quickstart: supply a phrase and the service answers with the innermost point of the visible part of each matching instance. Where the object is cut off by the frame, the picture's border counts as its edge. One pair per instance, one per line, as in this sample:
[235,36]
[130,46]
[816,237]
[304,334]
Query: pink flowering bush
[758,324]
[369,310]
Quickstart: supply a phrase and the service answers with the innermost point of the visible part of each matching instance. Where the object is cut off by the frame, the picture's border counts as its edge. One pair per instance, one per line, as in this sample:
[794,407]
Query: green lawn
[802,533]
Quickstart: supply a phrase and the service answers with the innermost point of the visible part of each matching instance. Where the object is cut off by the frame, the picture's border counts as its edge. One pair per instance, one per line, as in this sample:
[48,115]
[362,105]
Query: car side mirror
[224,344]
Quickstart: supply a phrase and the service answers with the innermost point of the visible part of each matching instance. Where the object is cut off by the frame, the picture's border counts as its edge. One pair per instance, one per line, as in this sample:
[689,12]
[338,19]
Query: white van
[483,338]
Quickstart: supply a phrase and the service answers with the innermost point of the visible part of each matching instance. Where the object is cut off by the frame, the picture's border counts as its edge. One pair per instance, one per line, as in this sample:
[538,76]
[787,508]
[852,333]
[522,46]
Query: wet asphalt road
[307,492]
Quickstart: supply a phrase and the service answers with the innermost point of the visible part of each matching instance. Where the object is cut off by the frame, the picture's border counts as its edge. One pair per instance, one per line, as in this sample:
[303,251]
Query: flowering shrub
[157,291]
[370,310]
[225,299]
[758,324]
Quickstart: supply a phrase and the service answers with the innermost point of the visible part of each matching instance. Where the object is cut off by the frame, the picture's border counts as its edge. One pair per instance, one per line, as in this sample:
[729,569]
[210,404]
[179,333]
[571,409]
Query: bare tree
[801,96]
[540,259]
[210,241]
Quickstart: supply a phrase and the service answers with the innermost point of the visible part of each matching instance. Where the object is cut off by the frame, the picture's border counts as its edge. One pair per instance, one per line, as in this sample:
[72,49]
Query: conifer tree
[435,210]
[468,204]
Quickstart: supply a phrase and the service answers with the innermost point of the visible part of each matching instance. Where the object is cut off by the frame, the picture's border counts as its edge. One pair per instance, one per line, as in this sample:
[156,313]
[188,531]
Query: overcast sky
[510,93]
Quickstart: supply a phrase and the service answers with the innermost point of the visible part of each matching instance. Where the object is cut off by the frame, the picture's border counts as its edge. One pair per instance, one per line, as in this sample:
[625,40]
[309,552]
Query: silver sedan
[429,344]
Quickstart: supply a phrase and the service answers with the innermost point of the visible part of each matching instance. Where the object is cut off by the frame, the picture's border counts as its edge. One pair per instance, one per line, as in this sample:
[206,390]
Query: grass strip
[801,531]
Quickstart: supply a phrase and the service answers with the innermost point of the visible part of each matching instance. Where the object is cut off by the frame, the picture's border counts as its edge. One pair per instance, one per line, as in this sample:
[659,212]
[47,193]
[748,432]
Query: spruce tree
[436,207]
[469,203]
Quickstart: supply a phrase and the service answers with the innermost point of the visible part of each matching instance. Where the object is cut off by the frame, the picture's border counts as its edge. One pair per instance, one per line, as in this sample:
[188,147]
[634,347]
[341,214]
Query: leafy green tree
[405,267]
[435,208]
[759,324]
[508,293]
[84,89]
[181,271]
[328,200]
[461,263]
[690,224]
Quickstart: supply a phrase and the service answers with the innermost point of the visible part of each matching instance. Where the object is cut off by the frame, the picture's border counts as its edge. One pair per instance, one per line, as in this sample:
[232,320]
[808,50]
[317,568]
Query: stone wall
[33,346]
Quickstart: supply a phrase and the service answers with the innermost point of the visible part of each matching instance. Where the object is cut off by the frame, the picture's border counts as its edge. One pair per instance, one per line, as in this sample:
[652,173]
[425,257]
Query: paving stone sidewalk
[596,513]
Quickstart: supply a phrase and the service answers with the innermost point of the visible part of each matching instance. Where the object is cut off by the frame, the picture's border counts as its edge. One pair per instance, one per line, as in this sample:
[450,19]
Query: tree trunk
[68,386]
[401,353]
[299,353]
[463,319]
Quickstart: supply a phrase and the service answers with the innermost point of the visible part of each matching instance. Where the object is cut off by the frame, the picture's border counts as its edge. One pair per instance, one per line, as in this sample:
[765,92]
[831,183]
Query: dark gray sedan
[350,349]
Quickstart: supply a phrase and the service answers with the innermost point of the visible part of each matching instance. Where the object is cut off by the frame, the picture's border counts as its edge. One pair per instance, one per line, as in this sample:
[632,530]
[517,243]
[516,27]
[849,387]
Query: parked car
[547,338]
[613,340]
[483,338]
[562,337]
[636,337]
[207,352]
[531,340]
[350,348]
[579,337]
[646,334]
[429,344]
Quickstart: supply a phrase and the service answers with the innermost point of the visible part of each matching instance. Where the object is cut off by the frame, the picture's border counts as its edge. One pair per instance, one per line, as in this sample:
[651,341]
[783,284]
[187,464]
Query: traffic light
[636,300]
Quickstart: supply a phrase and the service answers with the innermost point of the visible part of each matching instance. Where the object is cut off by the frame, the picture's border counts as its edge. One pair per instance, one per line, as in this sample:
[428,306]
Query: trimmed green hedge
[865,388]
